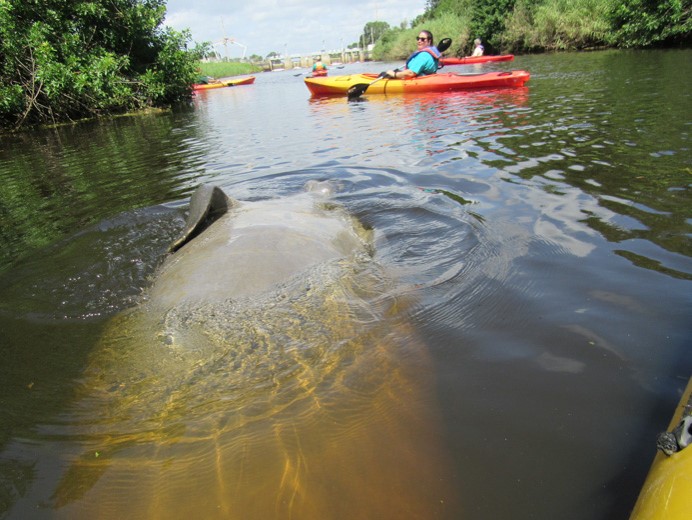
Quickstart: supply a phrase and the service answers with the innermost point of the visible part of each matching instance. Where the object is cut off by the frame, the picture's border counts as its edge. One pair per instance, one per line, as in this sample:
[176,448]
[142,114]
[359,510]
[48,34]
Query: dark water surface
[543,235]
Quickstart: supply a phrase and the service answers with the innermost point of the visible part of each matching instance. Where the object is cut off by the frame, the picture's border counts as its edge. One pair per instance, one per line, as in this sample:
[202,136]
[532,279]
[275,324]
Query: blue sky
[285,26]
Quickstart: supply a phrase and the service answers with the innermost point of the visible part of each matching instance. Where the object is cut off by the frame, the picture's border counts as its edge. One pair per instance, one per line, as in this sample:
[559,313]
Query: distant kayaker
[203,79]
[319,69]
[425,61]
[478,50]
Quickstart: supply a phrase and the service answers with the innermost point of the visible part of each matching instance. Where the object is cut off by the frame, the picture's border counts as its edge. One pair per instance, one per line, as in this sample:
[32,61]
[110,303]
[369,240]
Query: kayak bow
[667,491]
[444,82]
[227,82]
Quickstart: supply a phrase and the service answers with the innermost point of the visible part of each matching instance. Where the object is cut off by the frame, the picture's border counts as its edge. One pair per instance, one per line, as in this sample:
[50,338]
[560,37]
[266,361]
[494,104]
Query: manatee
[270,373]
[207,204]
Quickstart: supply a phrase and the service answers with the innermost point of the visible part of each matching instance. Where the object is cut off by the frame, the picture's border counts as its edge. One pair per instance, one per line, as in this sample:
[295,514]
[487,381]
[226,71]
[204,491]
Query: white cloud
[293,26]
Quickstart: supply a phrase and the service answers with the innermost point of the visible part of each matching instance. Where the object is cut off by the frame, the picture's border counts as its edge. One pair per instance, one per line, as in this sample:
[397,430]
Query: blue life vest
[436,54]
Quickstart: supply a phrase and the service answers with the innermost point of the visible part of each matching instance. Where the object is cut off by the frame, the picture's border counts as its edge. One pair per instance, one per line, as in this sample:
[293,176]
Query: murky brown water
[533,336]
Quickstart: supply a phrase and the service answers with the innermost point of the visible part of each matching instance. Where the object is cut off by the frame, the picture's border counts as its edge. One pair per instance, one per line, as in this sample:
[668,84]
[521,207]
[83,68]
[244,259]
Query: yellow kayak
[440,82]
[224,83]
[667,490]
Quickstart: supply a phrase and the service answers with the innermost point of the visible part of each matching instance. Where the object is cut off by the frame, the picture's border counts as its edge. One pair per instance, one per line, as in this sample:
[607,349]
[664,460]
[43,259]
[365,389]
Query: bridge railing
[326,57]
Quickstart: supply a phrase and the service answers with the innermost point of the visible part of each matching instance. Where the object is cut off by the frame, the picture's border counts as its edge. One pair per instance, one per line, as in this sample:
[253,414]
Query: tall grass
[557,25]
[223,69]
[531,25]
[398,44]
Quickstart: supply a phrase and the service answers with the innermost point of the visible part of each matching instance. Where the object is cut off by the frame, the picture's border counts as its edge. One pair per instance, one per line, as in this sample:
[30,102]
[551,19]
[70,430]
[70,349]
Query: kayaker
[425,61]
[319,69]
[318,66]
[479,49]
[203,79]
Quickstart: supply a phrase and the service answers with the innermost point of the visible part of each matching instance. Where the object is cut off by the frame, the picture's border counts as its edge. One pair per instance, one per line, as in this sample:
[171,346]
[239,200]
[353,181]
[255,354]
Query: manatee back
[256,246]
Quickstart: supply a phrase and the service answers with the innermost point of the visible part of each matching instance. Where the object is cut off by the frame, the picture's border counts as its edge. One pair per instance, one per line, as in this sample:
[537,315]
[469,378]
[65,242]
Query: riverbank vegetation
[224,69]
[62,61]
[69,60]
[518,26]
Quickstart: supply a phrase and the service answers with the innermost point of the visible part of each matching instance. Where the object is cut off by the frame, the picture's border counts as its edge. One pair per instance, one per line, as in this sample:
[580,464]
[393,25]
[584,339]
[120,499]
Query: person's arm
[422,61]
[401,74]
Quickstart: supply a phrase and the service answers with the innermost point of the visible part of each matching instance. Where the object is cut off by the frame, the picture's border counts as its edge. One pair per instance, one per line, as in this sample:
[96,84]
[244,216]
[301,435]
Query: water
[541,237]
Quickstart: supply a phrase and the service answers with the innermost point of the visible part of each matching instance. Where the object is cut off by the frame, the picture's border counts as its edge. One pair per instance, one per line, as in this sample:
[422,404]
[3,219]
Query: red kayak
[468,60]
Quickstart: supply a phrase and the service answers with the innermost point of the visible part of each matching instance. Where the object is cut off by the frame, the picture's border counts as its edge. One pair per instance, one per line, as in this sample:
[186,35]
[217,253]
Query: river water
[542,233]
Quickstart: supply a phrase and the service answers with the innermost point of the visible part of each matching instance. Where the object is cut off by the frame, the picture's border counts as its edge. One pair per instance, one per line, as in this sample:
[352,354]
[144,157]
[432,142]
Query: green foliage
[640,23]
[537,25]
[488,20]
[372,32]
[63,60]
[457,7]
[225,69]
[204,50]
[394,43]
[398,44]
[556,25]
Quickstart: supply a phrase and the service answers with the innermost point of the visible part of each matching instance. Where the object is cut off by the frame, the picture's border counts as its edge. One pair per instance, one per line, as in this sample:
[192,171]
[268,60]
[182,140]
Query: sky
[284,26]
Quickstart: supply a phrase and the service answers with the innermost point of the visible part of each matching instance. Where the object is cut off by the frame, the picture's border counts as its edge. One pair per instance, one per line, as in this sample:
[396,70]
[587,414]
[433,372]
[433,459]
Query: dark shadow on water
[53,309]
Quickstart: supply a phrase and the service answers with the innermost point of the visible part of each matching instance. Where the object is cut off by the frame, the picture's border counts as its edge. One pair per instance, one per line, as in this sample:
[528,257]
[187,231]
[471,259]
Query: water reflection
[607,144]
[540,236]
[59,180]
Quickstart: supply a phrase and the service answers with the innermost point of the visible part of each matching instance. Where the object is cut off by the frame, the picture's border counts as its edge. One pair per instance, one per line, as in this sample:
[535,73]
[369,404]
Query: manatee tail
[207,204]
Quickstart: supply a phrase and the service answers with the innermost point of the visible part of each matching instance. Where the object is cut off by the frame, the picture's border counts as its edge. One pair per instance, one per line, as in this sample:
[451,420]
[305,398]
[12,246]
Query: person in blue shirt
[426,60]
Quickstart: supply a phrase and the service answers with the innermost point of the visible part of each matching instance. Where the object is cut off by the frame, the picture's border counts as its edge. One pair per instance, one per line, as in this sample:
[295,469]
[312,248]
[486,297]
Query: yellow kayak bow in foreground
[667,490]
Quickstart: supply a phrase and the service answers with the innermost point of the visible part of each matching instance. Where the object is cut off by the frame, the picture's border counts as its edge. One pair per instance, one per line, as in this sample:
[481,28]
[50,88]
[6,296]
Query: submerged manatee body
[269,375]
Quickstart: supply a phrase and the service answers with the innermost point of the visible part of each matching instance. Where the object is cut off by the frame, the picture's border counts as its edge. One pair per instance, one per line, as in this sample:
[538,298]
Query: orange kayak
[224,83]
[468,60]
[339,85]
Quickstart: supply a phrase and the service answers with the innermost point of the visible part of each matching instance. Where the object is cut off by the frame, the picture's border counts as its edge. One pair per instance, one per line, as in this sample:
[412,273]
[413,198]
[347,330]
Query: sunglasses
[421,39]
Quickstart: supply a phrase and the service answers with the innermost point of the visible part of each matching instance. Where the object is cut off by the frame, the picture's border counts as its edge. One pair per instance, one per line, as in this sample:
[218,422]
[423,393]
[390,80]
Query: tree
[205,50]
[61,60]
[651,22]
[489,18]
[372,32]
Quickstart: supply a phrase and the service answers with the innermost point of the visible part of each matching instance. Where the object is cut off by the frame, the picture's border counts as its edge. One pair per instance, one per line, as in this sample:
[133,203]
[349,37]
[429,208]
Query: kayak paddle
[444,44]
[359,89]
